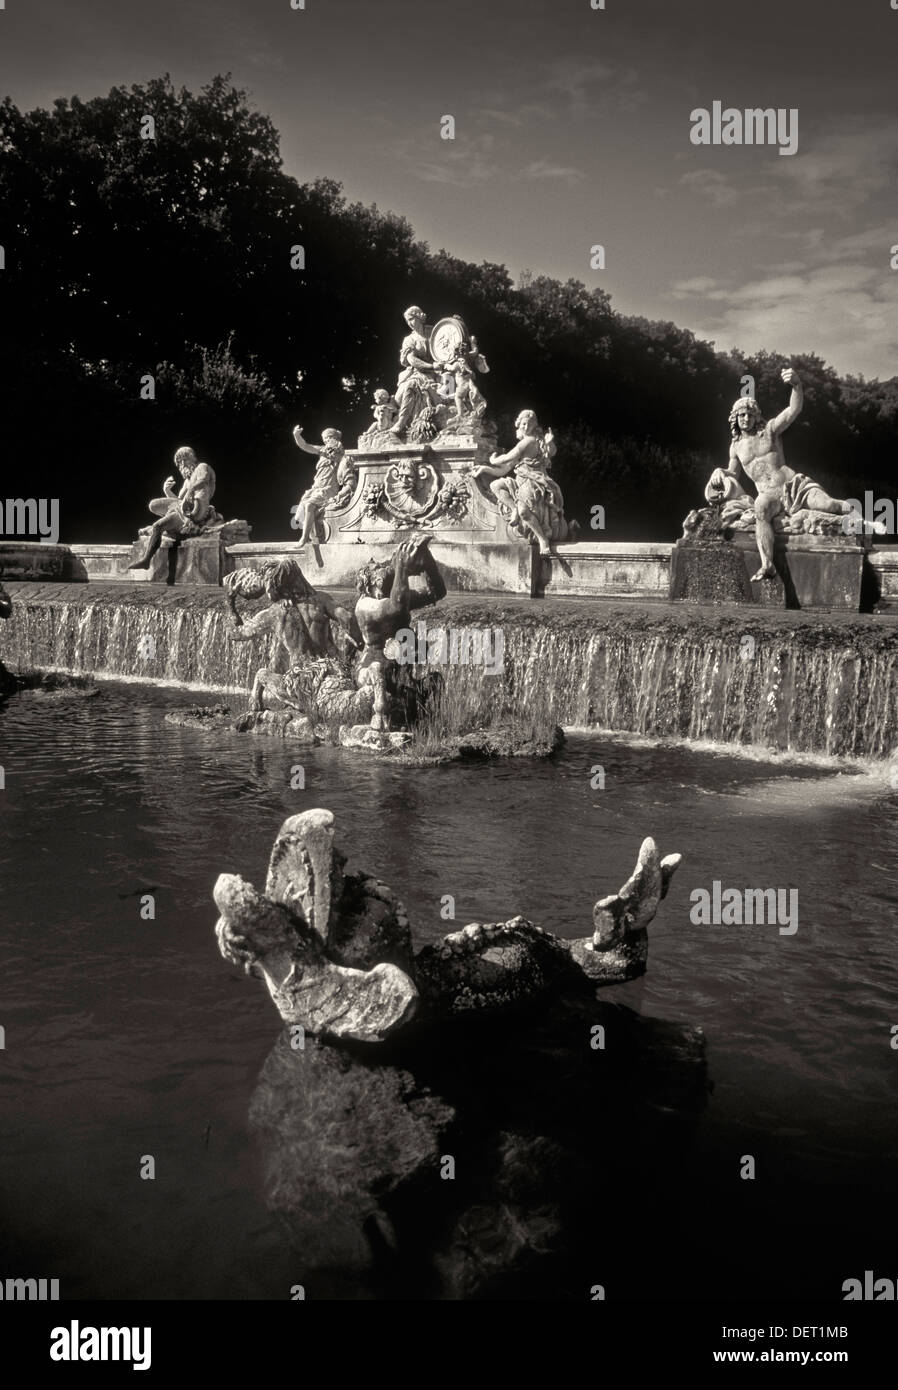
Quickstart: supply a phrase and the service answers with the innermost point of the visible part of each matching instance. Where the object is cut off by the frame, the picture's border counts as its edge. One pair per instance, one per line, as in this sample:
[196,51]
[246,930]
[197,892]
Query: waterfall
[781,692]
[184,640]
[795,683]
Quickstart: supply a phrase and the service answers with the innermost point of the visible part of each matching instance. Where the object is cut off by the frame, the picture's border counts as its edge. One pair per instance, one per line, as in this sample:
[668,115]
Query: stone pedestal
[812,572]
[403,489]
[882,563]
[414,487]
[198,560]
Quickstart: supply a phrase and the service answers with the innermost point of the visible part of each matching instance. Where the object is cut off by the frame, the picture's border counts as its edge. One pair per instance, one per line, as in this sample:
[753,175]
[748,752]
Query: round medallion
[447,338]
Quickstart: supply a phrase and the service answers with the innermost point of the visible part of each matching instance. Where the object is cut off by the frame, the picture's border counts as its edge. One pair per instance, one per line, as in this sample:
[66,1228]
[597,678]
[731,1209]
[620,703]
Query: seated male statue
[181,514]
[757,448]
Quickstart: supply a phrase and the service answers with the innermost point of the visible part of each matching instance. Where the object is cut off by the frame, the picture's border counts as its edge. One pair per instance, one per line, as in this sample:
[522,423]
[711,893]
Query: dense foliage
[172,256]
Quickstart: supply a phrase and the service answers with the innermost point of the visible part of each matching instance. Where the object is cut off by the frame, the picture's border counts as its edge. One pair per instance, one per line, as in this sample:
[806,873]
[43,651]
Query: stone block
[826,572]
[196,561]
[610,569]
[98,562]
[32,560]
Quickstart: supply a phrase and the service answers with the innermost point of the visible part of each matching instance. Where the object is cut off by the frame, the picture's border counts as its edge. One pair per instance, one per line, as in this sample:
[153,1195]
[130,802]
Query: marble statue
[461,368]
[384,409]
[338,662]
[385,605]
[526,494]
[188,512]
[438,368]
[318,635]
[416,388]
[786,501]
[335,949]
[333,473]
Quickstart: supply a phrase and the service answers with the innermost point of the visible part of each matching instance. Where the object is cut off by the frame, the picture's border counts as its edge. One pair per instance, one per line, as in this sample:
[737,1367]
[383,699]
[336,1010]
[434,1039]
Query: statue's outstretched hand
[411,552]
[790,376]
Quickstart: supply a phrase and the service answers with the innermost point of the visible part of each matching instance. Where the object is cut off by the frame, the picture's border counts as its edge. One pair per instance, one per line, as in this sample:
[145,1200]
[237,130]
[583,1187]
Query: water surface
[127,1037]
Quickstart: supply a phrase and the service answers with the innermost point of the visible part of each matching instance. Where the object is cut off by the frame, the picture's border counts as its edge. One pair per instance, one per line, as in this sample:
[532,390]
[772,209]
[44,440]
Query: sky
[572,129]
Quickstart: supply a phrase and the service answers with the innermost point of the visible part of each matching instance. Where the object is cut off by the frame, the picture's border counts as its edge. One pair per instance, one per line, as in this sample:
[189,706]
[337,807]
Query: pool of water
[126,1037]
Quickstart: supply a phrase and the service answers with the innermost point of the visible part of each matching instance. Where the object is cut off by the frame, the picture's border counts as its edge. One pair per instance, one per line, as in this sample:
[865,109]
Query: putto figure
[758,449]
[384,409]
[530,499]
[181,514]
[332,472]
[467,361]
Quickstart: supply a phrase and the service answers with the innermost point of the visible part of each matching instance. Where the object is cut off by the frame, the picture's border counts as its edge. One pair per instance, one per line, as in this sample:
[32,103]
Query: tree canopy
[171,256]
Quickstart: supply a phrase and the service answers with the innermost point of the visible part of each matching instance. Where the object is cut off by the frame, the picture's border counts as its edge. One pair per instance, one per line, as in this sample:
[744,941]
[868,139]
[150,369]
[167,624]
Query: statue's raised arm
[500,465]
[793,409]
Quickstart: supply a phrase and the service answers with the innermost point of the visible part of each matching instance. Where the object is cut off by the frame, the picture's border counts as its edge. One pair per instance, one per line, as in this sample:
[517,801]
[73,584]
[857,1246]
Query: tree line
[164,250]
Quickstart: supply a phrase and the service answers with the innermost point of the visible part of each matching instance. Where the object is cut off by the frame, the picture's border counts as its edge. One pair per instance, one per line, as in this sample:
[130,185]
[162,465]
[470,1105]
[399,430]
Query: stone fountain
[335,948]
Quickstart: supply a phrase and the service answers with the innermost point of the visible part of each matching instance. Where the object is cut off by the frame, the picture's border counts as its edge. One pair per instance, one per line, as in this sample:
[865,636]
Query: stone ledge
[32,560]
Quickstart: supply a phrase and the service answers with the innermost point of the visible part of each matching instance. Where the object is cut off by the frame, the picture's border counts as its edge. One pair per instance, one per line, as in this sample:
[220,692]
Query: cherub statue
[185,513]
[462,367]
[332,472]
[386,602]
[385,409]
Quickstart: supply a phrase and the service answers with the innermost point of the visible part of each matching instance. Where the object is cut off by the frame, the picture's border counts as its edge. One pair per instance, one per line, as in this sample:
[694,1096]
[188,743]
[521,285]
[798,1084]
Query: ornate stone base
[200,560]
[467,565]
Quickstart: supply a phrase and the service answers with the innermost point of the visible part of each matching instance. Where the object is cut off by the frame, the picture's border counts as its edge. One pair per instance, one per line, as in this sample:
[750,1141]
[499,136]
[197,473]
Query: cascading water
[805,684]
[781,693]
[182,639]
